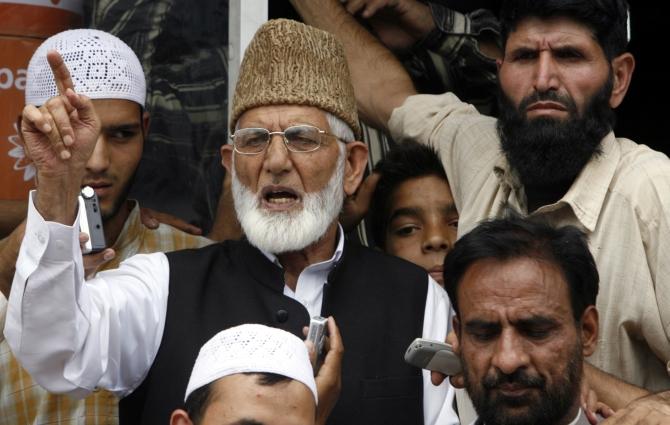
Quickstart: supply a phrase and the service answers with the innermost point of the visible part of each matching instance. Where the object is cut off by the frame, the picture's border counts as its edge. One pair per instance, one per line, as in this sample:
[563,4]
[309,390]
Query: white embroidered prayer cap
[252,348]
[101,65]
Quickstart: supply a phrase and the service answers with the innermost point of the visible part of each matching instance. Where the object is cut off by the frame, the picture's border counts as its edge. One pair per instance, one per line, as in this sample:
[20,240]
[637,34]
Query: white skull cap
[252,348]
[101,65]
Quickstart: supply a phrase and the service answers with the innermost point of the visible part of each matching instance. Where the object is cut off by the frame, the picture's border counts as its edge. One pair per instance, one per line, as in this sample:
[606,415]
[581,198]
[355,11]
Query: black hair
[406,161]
[608,19]
[197,402]
[516,237]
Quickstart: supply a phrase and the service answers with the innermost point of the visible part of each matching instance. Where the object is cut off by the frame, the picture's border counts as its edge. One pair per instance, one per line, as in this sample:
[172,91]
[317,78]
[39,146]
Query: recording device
[90,221]
[317,333]
[433,355]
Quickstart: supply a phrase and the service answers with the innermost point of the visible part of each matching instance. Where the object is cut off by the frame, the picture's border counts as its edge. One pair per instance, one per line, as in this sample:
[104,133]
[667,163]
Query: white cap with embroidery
[101,65]
[252,348]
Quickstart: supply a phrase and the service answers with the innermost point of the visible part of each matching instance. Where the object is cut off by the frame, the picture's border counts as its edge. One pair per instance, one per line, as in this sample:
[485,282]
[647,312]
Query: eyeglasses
[297,138]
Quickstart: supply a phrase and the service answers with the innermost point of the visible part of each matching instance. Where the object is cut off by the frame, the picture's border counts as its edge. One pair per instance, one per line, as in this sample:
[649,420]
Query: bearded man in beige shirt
[552,154]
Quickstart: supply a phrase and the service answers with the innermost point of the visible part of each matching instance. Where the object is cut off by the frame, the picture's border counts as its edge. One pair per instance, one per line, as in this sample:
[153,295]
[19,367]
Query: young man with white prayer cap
[255,374]
[104,68]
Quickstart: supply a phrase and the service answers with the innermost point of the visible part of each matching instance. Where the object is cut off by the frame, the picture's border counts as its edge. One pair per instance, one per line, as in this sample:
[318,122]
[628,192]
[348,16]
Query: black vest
[377,300]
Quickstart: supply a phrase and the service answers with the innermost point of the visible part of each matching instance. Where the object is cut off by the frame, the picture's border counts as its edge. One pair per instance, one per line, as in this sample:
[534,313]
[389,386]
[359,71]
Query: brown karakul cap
[290,63]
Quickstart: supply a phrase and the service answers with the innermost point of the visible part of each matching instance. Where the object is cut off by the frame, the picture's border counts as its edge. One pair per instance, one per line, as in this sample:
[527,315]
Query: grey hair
[339,128]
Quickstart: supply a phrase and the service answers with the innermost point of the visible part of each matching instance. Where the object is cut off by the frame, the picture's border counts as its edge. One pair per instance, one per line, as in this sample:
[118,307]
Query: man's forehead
[117,111]
[493,287]
[560,29]
[282,115]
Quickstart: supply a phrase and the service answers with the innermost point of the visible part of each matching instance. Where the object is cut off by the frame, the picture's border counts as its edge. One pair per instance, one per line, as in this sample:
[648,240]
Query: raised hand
[399,24]
[59,137]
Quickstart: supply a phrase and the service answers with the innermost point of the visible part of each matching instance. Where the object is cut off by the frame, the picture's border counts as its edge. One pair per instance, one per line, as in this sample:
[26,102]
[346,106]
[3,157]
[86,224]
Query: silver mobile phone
[90,221]
[317,333]
[433,355]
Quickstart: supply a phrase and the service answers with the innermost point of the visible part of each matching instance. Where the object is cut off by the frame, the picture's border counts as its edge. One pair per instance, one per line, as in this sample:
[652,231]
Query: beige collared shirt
[621,199]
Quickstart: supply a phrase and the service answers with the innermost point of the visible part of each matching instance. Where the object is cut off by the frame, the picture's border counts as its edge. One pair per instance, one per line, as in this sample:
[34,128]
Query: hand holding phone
[90,221]
[433,355]
[317,333]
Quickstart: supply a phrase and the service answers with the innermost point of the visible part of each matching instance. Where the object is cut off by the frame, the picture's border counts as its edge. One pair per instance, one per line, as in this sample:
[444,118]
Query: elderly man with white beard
[136,330]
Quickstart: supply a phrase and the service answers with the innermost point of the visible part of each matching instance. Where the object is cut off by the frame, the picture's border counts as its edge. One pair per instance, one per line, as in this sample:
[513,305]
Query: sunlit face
[117,152]
[279,177]
[286,201]
[422,223]
[558,56]
[521,348]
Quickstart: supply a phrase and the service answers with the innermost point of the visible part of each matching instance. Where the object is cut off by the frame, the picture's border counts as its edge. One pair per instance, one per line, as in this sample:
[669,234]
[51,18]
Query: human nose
[436,239]
[277,156]
[99,160]
[510,354]
[546,73]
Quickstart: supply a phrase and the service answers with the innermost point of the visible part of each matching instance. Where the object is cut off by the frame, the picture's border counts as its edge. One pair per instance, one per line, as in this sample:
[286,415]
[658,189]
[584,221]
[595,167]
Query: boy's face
[422,223]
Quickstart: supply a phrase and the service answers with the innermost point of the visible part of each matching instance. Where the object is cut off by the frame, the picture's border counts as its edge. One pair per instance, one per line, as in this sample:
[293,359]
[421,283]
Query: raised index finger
[60,71]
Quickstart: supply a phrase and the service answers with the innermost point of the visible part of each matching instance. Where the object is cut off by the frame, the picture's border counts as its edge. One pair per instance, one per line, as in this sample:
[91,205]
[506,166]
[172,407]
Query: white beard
[279,232]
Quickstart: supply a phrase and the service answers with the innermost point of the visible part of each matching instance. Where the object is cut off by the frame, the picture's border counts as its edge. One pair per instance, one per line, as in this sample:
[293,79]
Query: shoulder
[212,252]
[642,180]
[642,173]
[384,267]
[423,116]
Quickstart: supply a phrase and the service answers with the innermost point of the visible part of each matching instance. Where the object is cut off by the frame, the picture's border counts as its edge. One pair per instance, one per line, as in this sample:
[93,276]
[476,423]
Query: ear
[622,69]
[180,417]
[456,326]
[357,159]
[227,157]
[146,120]
[499,63]
[589,329]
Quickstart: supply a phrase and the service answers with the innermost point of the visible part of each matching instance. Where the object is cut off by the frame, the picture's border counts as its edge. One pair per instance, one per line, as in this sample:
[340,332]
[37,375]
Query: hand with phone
[433,355]
[456,380]
[329,375]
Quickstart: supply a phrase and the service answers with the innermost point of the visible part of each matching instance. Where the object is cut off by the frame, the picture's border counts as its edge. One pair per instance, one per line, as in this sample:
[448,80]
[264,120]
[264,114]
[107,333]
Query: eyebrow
[529,322]
[481,325]
[536,321]
[409,211]
[246,421]
[450,208]
[122,127]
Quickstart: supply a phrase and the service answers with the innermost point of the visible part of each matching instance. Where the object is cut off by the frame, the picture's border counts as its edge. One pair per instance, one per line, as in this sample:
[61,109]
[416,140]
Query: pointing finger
[60,71]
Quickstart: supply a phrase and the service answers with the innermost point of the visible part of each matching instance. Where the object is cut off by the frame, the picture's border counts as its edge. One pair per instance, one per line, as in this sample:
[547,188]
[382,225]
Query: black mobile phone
[90,221]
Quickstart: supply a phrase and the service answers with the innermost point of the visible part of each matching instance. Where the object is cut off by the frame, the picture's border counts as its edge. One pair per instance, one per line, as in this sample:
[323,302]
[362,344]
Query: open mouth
[279,197]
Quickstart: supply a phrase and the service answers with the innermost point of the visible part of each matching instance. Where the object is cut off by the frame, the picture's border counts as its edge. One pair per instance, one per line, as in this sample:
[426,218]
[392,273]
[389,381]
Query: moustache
[518,377]
[549,96]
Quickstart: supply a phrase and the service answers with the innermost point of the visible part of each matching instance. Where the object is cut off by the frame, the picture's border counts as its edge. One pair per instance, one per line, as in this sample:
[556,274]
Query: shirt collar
[339,248]
[575,421]
[587,194]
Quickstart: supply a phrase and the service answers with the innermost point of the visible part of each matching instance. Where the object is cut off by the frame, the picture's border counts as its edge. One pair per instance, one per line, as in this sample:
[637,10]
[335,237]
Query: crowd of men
[555,295]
